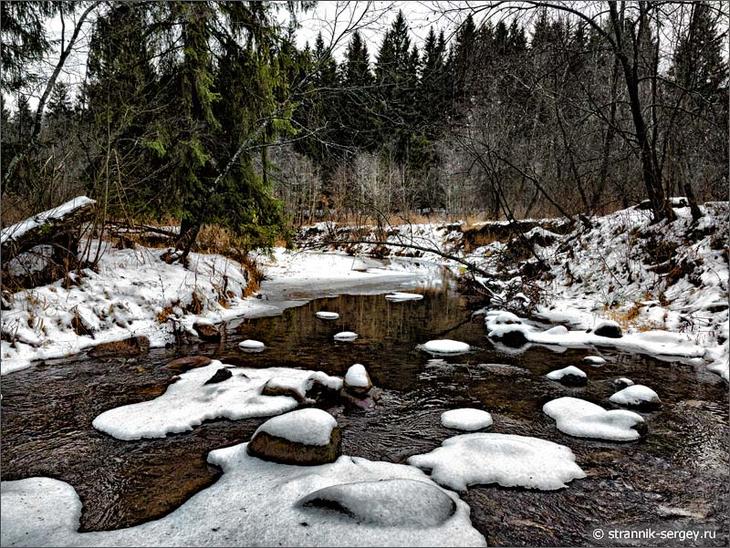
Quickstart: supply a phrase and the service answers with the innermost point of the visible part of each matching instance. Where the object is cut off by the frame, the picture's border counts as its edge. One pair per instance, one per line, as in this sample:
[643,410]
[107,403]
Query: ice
[635,394]
[345,336]
[466,419]
[324,315]
[357,376]
[398,296]
[306,426]
[505,459]
[251,346]
[189,402]
[560,373]
[584,419]
[260,503]
[445,346]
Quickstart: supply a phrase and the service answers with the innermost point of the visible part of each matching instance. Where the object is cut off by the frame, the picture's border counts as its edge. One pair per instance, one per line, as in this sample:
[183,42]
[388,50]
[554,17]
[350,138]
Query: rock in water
[187,363]
[623,382]
[445,346]
[584,419]
[569,376]
[608,328]
[386,503]
[346,336]
[221,375]
[595,361]
[637,395]
[357,380]
[133,346]
[249,345]
[207,331]
[466,419]
[304,437]
[399,297]
[324,315]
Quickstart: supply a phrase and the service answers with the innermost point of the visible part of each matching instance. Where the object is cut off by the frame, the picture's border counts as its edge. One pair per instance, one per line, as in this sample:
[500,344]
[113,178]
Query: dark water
[675,478]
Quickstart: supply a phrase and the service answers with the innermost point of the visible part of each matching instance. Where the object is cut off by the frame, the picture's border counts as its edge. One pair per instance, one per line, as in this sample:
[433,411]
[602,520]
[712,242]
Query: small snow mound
[466,419]
[445,346]
[608,328]
[385,503]
[306,426]
[508,460]
[636,395]
[594,360]
[250,345]
[584,419]
[357,378]
[344,336]
[557,330]
[500,318]
[623,382]
[399,297]
[324,315]
[570,371]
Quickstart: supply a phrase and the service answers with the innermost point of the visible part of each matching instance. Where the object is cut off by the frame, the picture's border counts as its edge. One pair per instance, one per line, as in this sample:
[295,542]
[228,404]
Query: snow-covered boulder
[584,419]
[346,336]
[466,419]
[608,328]
[595,361]
[637,395]
[324,315]
[357,380]
[399,297]
[445,346]
[496,318]
[304,437]
[570,376]
[386,503]
[250,345]
[508,460]
[623,382]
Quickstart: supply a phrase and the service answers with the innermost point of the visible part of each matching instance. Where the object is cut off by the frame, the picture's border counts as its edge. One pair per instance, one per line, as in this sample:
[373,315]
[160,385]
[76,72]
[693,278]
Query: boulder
[221,375]
[569,376]
[608,328]
[207,331]
[357,380]
[125,348]
[514,338]
[187,363]
[305,437]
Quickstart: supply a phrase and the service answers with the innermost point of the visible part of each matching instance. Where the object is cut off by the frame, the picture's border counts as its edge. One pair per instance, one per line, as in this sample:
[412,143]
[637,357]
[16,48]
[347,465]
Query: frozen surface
[189,402]
[305,426]
[466,419]
[508,460]
[398,296]
[584,419]
[259,503]
[357,376]
[346,336]
[635,394]
[560,373]
[445,346]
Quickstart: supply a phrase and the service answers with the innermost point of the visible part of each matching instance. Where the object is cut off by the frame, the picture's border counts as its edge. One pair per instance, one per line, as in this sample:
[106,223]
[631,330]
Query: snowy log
[45,227]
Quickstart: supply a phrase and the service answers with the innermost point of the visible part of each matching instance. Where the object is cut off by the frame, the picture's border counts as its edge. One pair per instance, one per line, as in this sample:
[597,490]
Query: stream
[676,478]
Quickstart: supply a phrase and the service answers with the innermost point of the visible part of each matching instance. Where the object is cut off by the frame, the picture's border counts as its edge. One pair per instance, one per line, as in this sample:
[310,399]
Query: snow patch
[466,419]
[445,346]
[584,419]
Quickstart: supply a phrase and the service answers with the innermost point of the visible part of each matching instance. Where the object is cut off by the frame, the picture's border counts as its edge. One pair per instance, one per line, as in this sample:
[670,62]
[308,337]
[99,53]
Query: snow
[189,402]
[398,297]
[346,336]
[324,315]
[445,346]
[584,419]
[635,394]
[305,426]
[594,360]
[260,503]
[357,376]
[251,345]
[560,373]
[625,381]
[505,459]
[17,230]
[466,419]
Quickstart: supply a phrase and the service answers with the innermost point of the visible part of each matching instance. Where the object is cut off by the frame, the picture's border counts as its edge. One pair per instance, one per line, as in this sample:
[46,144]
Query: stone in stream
[186,363]
[357,380]
[637,396]
[221,375]
[305,437]
[608,328]
[133,346]
[207,331]
[584,419]
[569,376]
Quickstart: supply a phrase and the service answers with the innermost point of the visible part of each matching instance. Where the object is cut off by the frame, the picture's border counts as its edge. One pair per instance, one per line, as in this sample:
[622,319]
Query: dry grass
[630,318]
[255,275]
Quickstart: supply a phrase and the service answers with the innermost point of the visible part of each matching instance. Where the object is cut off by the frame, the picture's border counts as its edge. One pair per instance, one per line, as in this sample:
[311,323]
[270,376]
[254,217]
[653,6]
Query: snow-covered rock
[466,419]
[45,512]
[445,346]
[399,296]
[584,419]
[324,315]
[304,437]
[189,402]
[357,380]
[636,395]
[608,328]
[595,361]
[345,336]
[508,460]
[623,382]
[250,345]
[570,375]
